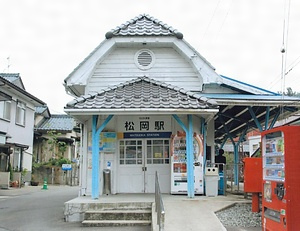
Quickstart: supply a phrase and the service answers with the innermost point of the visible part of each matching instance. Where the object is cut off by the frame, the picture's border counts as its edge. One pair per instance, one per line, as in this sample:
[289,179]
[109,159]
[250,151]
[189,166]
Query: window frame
[20,117]
[5,114]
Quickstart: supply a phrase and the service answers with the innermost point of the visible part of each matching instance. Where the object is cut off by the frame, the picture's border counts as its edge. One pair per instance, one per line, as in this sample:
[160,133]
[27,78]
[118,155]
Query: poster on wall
[108,142]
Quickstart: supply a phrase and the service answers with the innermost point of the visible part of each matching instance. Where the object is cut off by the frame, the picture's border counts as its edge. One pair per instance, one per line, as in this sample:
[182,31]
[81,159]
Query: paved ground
[34,209]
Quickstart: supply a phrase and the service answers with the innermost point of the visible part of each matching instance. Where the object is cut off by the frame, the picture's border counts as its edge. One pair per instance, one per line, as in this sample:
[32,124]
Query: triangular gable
[144,25]
[139,30]
[14,78]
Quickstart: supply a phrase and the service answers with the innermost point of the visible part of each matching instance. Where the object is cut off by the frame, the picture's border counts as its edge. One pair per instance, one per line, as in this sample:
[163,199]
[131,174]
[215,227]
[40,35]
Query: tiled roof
[57,123]
[10,76]
[144,25]
[40,109]
[142,93]
[14,78]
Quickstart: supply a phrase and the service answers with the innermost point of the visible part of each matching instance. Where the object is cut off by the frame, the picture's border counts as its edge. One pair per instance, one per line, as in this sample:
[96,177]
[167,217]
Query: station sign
[66,167]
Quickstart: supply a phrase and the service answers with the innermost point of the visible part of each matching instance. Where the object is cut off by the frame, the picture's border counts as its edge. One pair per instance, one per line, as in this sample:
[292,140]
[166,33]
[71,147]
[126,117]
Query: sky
[45,40]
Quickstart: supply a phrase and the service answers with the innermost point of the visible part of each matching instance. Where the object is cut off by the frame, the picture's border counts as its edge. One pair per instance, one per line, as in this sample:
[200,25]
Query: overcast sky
[242,39]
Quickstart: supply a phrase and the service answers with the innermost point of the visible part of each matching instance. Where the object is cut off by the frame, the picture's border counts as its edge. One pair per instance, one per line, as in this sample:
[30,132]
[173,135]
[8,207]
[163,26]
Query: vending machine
[281,182]
[179,165]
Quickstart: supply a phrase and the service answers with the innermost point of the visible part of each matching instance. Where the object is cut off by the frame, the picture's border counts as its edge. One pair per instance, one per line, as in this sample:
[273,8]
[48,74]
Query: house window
[5,110]
[17,159]
[20,113]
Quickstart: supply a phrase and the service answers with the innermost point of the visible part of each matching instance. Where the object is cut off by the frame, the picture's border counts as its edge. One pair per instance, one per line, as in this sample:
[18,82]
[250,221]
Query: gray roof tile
[144,93]
[144,25]
[14,78]
[58,123]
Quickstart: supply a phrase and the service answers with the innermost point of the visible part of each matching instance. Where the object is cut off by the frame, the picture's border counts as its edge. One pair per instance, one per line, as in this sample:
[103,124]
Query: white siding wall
[20,134]
[119,66]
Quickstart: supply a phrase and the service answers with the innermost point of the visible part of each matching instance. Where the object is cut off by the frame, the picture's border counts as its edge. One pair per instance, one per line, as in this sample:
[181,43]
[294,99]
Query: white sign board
[66,167]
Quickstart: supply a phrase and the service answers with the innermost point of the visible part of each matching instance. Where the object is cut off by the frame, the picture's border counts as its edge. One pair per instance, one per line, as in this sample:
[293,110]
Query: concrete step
[114,223]
[133,214]
[119,205]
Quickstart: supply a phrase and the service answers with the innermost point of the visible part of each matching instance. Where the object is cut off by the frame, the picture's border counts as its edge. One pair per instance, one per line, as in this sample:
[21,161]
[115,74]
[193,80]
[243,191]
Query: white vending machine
[178,164]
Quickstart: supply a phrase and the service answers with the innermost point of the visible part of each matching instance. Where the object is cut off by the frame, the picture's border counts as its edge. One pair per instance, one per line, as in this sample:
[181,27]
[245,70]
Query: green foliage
[55,143]
[290,92]
[24,172]
[229,158]
[53,162]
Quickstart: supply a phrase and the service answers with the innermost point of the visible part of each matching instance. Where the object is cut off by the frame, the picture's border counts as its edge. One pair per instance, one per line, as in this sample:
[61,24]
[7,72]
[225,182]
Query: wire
[284,48]
[211,19]
[223,22]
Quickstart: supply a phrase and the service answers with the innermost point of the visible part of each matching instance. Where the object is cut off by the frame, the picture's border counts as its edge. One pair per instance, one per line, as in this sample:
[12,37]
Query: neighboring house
[64,128]
[138,89]
[17,108]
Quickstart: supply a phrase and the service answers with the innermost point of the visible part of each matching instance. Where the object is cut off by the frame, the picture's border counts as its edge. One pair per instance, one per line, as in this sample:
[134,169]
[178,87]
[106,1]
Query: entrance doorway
[139,159]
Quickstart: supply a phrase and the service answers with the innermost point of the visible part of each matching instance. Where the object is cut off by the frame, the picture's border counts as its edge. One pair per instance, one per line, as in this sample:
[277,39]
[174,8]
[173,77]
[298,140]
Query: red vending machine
[281,178]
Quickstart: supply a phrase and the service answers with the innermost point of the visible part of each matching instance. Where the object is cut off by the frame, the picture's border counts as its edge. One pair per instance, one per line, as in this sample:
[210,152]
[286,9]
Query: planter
[14,184]
[34,183]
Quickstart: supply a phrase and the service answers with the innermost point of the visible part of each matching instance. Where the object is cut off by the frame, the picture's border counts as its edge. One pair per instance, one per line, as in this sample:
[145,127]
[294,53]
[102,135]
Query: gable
[190,70]
[126,63]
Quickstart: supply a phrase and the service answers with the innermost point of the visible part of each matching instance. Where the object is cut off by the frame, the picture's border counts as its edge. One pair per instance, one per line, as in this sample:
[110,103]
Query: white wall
[20,134]
[86,160]
[119,66]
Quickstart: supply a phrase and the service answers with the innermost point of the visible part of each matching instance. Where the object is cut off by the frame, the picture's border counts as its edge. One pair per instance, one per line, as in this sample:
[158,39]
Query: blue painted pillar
[190,158]
[95,158]
[203,132]
[236,163]
[96,154]
[189,153]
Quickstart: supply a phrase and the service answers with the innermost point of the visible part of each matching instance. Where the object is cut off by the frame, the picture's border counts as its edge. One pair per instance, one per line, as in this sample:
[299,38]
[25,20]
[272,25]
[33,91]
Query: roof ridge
[122,30]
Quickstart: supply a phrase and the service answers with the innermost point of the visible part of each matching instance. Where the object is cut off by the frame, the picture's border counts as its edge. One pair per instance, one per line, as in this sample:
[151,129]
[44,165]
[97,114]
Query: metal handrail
[159,206]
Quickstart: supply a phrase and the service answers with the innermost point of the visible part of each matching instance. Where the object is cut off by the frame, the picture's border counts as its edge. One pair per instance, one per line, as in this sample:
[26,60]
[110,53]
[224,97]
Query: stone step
[114,223]
[133,214]
[119,206]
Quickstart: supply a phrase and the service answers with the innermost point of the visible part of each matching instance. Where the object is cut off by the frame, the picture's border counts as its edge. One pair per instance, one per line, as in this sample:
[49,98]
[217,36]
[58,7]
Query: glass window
[20,113]
[5,110]
[158,152]
[131,152]
[17,159]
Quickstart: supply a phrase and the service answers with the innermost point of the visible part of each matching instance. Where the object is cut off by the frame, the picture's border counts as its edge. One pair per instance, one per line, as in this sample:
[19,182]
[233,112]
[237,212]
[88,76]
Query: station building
[149,102]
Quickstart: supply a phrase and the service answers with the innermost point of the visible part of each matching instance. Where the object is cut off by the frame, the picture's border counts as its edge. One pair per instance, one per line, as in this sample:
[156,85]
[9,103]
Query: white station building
[149,102]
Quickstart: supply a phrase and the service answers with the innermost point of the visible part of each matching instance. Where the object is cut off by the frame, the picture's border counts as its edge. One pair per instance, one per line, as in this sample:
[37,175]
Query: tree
[290,92]
[56,147]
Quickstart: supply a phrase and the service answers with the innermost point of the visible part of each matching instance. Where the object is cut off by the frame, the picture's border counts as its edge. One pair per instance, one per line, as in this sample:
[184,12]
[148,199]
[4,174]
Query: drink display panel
[179,166]
[273,158]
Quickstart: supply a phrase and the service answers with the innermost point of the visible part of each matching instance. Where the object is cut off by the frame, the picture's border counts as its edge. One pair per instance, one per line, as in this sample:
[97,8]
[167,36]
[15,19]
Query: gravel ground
[240,215]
